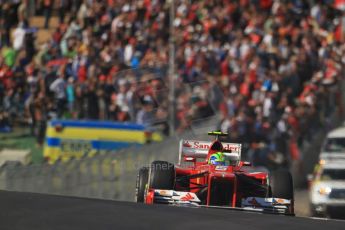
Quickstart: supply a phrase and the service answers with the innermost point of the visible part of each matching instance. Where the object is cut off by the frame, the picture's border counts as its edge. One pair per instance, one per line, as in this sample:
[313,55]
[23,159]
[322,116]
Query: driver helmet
[217,159]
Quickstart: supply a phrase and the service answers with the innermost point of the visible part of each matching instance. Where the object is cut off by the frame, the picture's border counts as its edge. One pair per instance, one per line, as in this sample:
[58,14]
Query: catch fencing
[108,176]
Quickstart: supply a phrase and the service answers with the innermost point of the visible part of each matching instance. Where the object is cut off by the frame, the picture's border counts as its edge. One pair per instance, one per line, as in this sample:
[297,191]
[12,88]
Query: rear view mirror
[246,163]
[189,159]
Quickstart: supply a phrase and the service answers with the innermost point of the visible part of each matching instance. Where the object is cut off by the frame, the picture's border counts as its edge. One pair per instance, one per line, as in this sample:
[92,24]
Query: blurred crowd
[271,68]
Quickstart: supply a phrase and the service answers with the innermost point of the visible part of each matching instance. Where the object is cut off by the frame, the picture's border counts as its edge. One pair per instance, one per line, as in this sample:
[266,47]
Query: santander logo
[232,148]
[205,145]
[198,145]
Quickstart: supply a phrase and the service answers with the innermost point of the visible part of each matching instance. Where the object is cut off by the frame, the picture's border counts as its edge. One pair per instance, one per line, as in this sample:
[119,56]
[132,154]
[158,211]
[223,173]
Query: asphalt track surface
[44,212]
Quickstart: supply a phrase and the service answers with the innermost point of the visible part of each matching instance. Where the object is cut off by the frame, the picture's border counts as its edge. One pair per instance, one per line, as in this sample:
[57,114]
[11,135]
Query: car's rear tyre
[142,179]
[281,185]
[162,175]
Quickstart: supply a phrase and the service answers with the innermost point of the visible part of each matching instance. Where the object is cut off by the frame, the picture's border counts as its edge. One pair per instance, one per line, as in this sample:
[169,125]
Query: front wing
[159,196]
[255,204]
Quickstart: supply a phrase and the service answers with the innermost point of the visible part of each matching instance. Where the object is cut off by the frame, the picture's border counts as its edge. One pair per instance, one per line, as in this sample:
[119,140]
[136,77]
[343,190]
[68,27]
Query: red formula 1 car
[234,185]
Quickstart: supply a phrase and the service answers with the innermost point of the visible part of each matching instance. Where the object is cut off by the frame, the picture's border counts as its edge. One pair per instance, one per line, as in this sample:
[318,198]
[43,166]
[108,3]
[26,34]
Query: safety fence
[108,176]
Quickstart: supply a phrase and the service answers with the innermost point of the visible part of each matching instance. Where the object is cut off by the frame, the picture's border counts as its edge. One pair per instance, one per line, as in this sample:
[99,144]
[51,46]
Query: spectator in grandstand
[146,114]
[62,8]
[58,87]
[4,123]
[41,117]
[47,9]
[269,67]
[70,96]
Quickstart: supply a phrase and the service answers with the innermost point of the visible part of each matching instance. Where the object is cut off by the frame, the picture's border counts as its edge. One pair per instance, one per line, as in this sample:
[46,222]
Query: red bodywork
[210,182]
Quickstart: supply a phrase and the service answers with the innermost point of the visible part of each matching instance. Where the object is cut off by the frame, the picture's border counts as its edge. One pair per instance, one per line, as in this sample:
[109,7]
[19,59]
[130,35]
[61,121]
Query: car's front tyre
[142,180]
[281,185]
[162,175]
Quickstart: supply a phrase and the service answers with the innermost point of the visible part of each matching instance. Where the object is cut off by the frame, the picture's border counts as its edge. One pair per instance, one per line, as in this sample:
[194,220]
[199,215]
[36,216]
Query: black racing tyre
[281,185]
[142,179]
[162,175]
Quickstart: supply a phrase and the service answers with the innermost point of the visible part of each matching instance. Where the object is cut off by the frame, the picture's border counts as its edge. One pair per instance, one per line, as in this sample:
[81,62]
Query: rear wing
[199,149]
